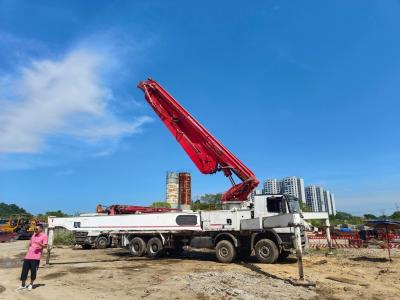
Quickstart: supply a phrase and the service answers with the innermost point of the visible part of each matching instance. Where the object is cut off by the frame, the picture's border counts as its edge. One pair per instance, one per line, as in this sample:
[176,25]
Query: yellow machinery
[19,223]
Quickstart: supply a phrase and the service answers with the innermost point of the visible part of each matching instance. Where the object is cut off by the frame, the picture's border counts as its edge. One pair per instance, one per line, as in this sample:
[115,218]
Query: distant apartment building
[320,200]
[311,198]
[330,202]
[272,186]
[293,186]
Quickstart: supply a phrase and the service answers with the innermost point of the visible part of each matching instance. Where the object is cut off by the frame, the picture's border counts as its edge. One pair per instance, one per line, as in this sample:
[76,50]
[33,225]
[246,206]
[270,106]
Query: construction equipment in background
[8,236]
[23,225]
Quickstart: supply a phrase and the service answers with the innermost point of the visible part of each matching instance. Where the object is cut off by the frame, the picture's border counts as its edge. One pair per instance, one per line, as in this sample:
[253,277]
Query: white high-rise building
[315,197]
[321,199]
[332,204]
[311,198]
[301,189]
[272,186]
[294,186]
[328,204]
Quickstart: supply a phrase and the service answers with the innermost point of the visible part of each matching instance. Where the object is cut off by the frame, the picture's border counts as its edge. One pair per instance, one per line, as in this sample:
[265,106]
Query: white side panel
[218,220]
[315,215]
[138,222]
[283,220]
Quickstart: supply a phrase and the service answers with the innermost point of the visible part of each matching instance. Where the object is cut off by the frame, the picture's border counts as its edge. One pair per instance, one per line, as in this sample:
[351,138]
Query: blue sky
[307,89]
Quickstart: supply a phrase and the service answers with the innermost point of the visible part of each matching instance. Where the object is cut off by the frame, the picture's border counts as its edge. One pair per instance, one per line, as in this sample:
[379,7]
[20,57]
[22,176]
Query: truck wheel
[266,251]
[154,247]
[283,255]
[101,242]
[137,246]
[225,251]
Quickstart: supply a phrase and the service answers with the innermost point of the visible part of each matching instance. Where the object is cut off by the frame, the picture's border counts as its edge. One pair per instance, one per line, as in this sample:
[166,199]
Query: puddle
[2,288]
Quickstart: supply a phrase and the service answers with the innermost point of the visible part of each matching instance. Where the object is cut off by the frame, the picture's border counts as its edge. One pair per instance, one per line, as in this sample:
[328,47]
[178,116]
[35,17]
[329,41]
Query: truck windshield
[276,204]
[293,204]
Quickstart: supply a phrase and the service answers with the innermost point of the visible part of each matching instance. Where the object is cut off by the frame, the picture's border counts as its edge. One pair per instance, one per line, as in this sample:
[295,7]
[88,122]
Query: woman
[32,258]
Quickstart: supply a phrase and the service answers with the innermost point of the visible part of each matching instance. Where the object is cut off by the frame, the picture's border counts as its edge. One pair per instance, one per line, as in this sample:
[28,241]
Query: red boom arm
[208,154]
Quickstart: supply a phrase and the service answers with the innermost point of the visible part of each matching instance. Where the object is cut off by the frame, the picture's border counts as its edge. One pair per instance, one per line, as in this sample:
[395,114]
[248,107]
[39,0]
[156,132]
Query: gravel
[229,285]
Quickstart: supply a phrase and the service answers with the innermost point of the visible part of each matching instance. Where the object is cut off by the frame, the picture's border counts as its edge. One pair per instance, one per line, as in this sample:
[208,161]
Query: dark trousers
[29,264]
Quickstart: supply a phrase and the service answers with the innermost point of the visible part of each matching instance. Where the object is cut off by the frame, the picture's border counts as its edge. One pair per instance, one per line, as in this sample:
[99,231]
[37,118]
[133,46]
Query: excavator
[21,224]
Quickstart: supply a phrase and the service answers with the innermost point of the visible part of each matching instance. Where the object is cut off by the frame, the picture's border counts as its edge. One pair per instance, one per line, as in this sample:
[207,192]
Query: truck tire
[101,242]
[266,251]
[225,251]
[154,247]
[137,246]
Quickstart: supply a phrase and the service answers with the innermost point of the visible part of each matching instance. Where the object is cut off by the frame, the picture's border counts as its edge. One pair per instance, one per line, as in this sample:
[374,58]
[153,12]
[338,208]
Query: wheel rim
[224,252]
[136,247]
[154,248]
[264,251]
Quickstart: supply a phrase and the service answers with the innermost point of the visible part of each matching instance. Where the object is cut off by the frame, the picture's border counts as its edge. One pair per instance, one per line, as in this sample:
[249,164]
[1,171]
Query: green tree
[160,204]
[211,198]
[197,205]
[304,207]
[370,217]
[395,216]
[208,202]
[383,217]
[7,210]
[55,213]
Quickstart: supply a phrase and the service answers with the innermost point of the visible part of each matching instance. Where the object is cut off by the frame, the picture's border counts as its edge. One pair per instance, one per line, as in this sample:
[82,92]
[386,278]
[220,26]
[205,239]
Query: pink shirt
[35,251]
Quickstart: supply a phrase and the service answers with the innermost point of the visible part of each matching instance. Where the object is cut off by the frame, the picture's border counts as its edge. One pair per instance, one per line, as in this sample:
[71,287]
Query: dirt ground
[113,274]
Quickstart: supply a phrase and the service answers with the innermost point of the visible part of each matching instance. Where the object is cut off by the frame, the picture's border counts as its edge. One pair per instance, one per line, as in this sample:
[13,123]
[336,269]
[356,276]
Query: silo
[172,194]
[185,188]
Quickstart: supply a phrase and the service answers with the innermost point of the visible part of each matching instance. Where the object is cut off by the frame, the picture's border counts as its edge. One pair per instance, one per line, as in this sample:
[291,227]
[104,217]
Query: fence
[353,241]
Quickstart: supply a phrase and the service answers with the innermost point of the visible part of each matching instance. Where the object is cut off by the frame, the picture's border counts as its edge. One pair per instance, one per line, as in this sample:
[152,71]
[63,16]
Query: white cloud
[52,98]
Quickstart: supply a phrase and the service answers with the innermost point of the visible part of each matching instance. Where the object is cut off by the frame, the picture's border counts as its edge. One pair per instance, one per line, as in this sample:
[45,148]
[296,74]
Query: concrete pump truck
[271,226]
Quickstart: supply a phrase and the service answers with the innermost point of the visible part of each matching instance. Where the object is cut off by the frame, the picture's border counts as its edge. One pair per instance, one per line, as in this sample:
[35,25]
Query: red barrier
[349,241]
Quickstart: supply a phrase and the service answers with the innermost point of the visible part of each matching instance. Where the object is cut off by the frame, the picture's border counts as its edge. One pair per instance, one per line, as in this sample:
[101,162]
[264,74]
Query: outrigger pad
[299,282]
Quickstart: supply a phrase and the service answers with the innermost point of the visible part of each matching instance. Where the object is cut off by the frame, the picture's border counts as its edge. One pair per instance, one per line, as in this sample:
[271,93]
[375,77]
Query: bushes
[64,237]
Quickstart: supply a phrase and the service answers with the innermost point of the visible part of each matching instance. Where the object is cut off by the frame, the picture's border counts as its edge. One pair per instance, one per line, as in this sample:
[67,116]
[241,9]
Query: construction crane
[207,153]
